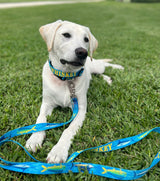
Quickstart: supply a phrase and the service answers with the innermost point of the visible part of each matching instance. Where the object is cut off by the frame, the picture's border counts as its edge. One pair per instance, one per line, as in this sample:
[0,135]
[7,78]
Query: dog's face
[69,42]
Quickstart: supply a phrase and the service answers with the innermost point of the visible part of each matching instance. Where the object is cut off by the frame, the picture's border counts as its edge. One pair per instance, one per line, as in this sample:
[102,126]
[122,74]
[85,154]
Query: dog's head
[69,42]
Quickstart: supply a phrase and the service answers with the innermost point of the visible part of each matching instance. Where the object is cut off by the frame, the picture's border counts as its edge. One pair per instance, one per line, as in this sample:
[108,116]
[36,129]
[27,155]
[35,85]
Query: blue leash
[38,167]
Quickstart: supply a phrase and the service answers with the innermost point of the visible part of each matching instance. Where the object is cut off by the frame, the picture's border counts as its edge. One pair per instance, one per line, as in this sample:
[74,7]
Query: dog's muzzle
[81,55]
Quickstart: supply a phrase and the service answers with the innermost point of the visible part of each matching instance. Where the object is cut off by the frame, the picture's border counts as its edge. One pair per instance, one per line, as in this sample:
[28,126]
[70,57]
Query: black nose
[81,53]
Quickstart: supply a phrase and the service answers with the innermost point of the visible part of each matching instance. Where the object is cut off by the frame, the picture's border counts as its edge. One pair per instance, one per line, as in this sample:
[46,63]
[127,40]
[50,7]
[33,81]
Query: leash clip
[72,90]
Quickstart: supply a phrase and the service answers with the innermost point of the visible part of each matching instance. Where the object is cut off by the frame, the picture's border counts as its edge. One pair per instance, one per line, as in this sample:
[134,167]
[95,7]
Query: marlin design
[84,165]
[53,168]
[70,159]
[143,135]
[26,130]
[115,172]
[158,155]
[123,143]
[22,166]
[80,151]
[73,115]
[142,173]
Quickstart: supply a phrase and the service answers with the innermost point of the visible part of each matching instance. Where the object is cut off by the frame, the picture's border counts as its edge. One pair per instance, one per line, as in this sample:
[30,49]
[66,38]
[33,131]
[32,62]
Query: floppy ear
[93,43]
[48,33]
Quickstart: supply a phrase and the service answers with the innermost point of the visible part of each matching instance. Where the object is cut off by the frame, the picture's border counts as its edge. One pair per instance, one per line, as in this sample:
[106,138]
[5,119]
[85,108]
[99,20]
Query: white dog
[68,46]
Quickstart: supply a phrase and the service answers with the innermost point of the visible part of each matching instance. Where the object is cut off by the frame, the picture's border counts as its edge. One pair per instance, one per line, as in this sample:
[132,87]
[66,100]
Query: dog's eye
[86,39]
[66,35]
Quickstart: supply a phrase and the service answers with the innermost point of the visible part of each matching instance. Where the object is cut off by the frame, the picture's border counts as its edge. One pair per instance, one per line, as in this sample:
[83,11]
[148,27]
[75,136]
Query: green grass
[127,33]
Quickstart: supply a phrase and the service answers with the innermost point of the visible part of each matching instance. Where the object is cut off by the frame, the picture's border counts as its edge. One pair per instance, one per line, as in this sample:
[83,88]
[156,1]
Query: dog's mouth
[76,63]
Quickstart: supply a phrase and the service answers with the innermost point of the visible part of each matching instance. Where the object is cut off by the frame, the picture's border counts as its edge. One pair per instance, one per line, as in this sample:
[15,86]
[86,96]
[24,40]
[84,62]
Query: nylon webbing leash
[38,167]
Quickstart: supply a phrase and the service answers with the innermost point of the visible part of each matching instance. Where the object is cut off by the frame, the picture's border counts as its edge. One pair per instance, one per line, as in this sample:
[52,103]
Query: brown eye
[86,39]
[66,35]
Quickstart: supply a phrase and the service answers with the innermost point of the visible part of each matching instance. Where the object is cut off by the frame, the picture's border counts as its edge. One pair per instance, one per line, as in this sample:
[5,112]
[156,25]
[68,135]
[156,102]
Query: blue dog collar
[65,75]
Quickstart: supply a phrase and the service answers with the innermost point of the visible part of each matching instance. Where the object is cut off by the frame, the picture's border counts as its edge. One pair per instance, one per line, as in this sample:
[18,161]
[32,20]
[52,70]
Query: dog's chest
[64,97]
[60,94]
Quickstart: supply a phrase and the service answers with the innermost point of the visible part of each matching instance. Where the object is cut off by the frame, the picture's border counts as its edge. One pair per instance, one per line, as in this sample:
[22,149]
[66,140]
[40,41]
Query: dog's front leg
[59,152]
[36,139]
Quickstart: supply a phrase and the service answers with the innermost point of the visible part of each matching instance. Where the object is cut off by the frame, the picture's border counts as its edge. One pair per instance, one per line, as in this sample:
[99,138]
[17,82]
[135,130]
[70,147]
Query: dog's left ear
[48,33]
[93,43]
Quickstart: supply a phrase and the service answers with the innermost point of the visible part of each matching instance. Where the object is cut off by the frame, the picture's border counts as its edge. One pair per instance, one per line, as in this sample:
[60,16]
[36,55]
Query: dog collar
[65,75]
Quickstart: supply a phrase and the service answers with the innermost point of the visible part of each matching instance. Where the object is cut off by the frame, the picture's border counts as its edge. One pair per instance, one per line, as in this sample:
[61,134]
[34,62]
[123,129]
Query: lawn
[127,33]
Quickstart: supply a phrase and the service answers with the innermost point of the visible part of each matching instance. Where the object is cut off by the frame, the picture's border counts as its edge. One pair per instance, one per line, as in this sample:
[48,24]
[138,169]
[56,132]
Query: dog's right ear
[48,33]
[93,43]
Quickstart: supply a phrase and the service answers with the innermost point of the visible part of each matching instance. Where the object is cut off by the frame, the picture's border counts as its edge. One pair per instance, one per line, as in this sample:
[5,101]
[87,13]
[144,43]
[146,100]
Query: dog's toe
[35,141]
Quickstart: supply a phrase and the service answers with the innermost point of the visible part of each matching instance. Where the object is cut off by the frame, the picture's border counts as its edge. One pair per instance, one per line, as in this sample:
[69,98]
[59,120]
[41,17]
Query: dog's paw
[107,79]
[118,67]
[35,141]
[58,154]
[114,66]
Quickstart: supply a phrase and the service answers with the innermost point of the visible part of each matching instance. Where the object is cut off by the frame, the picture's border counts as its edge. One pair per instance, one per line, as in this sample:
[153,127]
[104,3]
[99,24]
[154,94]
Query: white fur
[56,92]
